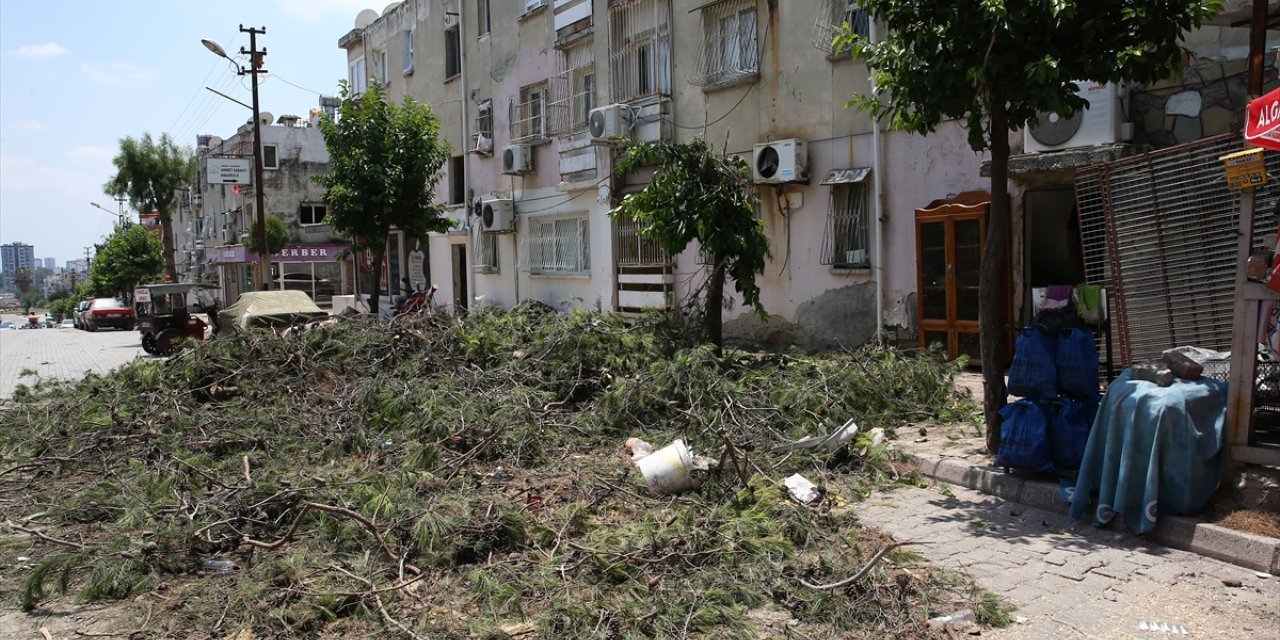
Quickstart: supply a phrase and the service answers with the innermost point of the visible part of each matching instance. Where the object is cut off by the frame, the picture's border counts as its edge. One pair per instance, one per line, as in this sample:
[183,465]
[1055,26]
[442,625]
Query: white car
[67,324]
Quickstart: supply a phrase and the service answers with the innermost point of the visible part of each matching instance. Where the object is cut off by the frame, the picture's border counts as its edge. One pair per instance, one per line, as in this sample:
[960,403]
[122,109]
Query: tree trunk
[166,236]
[992,297]
[377,278]
[713,315]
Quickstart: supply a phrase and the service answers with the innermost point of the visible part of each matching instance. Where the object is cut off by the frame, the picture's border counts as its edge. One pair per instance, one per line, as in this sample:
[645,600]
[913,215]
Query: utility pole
[255,68]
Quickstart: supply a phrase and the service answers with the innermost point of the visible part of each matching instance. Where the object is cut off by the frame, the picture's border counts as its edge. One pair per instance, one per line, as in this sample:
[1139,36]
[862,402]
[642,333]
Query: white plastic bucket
[667,469]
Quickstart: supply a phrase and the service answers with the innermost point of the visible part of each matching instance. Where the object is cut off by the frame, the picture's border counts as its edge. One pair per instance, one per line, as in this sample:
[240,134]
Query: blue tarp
[1152,451]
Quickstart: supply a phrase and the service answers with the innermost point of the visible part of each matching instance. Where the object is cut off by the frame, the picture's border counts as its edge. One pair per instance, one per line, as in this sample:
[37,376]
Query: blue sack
[1024,435]
[1034,372]
[1070,431]
[1077,360]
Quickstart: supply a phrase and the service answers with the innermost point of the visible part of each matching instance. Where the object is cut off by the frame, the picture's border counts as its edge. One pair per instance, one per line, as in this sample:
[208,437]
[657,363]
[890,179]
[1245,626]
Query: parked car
[67,324]
[78,314]
[108,312]
[4,326]
[320,289]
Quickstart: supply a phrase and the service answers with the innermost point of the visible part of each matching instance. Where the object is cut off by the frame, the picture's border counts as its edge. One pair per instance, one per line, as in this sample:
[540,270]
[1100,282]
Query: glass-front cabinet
[949,244]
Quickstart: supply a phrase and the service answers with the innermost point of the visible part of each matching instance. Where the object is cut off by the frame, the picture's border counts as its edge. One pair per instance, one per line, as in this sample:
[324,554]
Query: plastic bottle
[959,619]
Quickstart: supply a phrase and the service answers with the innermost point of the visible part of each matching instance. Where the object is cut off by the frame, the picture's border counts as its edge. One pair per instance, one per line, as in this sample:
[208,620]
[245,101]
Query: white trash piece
[961,619]
[801,489]
[638,448]
[829,442]
[667,469]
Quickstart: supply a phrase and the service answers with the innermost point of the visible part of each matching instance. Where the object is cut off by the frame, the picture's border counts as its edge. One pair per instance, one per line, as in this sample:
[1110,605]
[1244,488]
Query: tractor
[164,315]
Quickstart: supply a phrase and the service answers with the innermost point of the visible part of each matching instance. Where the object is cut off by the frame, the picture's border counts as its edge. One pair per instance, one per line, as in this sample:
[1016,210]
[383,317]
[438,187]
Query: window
[452,53]
[482,17]
[484,250]
[640,49]
[845,241]
[457,185]
[572,90]
[380,67]
[270,157]
[356,78]
[527,116]
[559,245]
[408,50]
[832,16]
[482,139]
[310,213]
[728,51]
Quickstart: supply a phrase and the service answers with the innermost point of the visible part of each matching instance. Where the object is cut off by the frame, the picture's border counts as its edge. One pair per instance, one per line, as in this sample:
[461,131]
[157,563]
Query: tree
[996,64]
[22,279]
[149,173]
[700,194]
[385,161]
[277,235]
[130,256]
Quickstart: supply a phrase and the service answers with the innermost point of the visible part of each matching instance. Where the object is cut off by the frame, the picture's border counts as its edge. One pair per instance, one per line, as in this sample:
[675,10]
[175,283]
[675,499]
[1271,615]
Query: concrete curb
[1259,553]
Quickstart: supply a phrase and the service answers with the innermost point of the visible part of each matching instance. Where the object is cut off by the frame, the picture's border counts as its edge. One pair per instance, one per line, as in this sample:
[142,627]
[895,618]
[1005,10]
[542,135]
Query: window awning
[846,176]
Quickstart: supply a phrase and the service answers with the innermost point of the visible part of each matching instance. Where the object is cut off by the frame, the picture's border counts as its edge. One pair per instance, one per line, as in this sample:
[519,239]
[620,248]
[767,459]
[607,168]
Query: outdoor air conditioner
[517,159]
[498,215]
[780,161]
[1099,124]
[609,122]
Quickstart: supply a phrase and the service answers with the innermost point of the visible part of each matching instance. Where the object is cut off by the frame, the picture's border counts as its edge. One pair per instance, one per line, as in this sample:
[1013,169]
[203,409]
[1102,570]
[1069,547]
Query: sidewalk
[958,457]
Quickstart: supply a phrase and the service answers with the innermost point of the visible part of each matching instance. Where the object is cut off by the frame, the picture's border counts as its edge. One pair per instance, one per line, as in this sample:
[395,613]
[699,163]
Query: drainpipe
[877,256]
[466,178]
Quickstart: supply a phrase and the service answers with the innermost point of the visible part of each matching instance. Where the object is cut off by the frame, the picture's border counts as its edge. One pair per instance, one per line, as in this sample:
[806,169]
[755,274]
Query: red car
[108,312]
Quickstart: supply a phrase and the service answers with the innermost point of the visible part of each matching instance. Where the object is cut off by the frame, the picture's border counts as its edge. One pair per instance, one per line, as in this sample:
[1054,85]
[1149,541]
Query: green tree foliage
[149,172]
[22,279]
[385,160]
[701,195]
[130,256]
[277,235]
[994,65]
[31,299]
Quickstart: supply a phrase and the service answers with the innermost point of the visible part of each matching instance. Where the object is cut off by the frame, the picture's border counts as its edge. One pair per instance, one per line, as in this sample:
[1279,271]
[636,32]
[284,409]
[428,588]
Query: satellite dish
[366,18]
[390,7]
[1054,130]
[265,117]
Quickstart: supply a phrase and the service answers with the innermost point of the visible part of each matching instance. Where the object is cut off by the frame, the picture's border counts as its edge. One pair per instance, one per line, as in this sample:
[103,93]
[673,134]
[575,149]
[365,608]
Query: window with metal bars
[640,49]
[559,245]
[484,250]
[845,241]
[831,16]
[528,116]
[572,90]
[729,49]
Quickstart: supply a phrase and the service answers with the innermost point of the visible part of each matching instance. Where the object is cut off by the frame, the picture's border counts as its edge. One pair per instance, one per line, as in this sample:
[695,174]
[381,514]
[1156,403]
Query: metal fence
[1159,230]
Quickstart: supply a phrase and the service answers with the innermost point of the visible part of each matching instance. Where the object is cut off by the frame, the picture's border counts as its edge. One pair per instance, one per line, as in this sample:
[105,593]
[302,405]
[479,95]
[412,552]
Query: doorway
[458,257]
[1053,253]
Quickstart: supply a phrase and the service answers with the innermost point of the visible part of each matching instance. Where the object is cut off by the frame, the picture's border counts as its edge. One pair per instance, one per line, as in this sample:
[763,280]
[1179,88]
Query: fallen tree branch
[46,538]
[860,574]
[386,550]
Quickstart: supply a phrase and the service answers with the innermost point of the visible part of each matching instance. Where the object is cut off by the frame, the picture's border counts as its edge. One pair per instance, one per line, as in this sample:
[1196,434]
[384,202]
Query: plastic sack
[1090,303]
[1077,361]
[1024,435]
[1033,373]
[1069,431]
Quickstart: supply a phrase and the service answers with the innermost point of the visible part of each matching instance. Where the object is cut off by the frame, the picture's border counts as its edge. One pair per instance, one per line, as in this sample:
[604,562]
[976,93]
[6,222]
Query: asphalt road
[66,354]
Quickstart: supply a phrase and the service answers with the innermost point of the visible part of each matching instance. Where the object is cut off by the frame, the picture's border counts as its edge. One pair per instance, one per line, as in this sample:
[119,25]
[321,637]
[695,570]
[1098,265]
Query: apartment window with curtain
[484,250]
[728,52]
[380,64]
[408,50]
[572,89]
[357,80]
[559,245]
[640,49]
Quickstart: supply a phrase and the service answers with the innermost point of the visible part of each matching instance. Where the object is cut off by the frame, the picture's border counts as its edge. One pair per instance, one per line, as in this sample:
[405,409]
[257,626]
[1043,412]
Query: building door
[458,257]
[949,244]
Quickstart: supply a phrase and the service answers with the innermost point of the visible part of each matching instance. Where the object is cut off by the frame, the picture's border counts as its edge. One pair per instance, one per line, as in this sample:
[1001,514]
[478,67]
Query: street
[60,353]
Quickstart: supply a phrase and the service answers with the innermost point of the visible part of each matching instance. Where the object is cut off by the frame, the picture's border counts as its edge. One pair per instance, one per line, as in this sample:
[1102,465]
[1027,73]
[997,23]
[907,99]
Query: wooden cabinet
[949,244]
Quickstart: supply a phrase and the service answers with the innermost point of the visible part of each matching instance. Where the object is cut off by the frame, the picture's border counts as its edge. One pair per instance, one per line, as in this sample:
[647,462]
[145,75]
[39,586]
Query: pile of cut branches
[441,477]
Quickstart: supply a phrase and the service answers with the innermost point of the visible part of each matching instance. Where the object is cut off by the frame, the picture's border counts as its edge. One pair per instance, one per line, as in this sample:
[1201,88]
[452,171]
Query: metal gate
[1159,230]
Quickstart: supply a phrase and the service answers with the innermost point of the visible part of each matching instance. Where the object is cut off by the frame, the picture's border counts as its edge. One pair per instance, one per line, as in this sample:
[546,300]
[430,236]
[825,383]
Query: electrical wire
[759,56]
[214,67]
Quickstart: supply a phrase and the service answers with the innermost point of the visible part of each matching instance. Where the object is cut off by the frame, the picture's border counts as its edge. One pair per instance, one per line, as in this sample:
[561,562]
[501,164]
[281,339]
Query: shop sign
[1262,123]
[1244,169]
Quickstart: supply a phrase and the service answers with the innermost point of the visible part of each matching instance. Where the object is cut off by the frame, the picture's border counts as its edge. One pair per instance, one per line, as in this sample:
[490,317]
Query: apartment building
[871,230]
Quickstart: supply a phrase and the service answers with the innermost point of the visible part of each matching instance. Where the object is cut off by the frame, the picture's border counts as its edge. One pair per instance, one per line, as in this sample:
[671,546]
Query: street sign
[142,294]
[229,170]
[1245,169]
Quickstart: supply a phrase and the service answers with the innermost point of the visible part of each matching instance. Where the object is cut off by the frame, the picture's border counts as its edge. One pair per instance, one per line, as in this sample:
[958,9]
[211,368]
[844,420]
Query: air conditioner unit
[226,236]
[1099,124]
[497,215]
[780,161]
[609,122]
[517,159]
[199,244]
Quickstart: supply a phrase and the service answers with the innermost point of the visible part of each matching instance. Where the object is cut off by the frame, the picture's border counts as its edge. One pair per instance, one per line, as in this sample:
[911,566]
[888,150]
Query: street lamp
[255,68]
[119,215]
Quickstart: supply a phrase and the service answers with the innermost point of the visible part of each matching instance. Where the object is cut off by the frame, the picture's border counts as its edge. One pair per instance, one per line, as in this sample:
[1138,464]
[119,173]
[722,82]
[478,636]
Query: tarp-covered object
[1153,451]
[269,309]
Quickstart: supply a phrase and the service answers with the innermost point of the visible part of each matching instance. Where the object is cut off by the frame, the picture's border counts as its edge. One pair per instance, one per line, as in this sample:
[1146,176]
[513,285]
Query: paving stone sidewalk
[1071,580]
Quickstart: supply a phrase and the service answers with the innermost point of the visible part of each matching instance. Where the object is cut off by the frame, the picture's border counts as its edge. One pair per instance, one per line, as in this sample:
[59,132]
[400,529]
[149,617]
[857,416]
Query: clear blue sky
[79,75]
